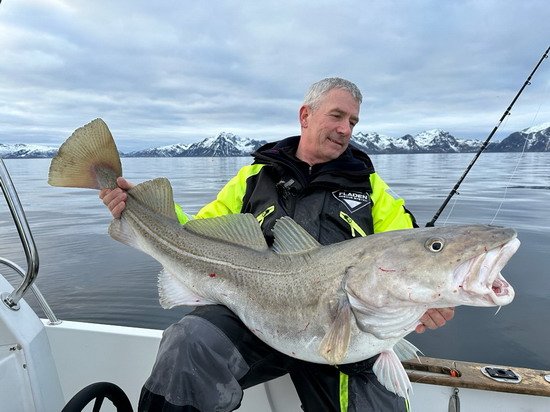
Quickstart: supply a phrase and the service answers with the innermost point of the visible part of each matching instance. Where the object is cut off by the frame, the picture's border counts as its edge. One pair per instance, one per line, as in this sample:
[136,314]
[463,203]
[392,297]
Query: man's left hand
[435,318]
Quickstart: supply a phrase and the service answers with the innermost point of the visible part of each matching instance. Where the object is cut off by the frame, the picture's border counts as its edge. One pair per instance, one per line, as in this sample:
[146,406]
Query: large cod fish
[332,304]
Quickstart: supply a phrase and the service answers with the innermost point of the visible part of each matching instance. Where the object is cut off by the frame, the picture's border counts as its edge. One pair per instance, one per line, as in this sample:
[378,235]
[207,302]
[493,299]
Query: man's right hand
[115,199]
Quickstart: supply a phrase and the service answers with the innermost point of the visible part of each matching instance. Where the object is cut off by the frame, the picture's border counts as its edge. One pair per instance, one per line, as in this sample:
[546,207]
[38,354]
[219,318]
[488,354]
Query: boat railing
[11,300]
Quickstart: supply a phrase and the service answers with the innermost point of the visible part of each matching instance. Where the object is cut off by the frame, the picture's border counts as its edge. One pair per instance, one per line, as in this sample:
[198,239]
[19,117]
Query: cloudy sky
[163,72]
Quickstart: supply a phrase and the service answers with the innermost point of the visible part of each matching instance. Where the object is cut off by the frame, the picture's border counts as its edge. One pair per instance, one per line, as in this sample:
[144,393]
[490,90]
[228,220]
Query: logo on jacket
[352,200]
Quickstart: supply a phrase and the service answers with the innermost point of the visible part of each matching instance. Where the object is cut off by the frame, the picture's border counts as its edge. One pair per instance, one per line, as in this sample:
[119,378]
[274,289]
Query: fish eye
[435,245]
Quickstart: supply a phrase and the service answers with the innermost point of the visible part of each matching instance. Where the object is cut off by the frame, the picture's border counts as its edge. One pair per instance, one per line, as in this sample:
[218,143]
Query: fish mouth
[479,281]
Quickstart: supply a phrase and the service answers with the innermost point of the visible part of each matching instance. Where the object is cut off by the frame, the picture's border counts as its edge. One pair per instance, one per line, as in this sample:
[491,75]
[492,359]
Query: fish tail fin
[88,159]
[390,372]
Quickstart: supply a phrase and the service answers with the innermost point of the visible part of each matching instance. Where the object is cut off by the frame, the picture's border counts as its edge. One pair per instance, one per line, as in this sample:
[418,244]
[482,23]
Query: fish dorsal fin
[292,238]
[78,160]
[156,195]
[240,229]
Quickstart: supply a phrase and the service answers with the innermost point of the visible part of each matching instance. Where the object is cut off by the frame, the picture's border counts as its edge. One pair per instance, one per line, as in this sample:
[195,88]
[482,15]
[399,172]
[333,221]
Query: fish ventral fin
[173,293]
[390,372]
[405,350]
[156,195]
[291,238]
[88,159]
[335,343]
[239,229]
[121,231]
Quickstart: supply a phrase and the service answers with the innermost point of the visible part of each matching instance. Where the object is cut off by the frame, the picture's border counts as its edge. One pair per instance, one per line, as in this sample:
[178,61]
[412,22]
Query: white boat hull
[86,353]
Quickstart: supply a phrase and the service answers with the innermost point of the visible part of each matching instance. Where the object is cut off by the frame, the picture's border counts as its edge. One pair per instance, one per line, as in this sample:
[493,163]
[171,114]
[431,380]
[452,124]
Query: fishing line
[510,181]
[520,158]
[451,211]
[454,190]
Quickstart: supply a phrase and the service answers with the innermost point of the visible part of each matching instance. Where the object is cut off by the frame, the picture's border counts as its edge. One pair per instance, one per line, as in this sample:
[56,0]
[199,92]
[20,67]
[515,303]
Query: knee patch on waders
[192,355]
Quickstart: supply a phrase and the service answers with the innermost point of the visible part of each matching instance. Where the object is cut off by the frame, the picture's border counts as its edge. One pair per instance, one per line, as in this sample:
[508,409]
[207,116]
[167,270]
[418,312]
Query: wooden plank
[441,371]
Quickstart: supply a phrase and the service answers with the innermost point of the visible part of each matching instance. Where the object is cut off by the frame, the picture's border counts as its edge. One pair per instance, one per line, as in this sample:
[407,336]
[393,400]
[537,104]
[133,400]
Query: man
[332,190]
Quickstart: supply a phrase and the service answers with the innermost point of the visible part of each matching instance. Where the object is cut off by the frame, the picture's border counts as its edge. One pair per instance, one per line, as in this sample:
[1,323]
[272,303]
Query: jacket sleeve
[229,200]
[388,212]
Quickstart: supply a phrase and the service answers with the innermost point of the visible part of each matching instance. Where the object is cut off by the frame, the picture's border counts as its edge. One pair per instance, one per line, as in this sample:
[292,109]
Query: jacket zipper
[264,214]
[355,228]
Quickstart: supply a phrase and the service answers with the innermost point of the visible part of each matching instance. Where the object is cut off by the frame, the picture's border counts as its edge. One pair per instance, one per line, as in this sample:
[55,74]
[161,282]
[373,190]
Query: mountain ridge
[532,139]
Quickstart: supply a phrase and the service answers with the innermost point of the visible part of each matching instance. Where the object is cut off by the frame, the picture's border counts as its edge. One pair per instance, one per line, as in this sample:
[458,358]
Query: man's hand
[115,199]
[435,318]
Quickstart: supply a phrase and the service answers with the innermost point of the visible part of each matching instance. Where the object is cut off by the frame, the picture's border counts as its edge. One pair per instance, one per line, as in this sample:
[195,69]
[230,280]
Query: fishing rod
[486,142]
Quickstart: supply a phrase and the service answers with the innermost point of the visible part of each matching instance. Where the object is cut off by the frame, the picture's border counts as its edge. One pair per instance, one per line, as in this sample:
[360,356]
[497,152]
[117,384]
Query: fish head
[434,267]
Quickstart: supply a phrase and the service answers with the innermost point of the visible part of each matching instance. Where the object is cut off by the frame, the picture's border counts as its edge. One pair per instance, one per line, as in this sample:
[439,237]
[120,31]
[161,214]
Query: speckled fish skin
[291,300]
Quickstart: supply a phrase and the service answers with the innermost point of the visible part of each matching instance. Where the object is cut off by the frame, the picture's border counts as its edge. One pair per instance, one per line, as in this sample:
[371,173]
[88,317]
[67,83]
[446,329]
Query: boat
[47,364]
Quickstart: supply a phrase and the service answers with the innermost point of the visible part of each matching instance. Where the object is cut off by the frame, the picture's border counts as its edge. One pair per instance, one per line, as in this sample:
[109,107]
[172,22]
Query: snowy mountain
[430,141]
[535,139]
[26,151]
[175,150]
[378,143]
[223,145]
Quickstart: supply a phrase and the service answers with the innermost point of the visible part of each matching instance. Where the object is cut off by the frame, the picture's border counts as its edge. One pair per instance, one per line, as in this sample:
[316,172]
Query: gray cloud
[175,72]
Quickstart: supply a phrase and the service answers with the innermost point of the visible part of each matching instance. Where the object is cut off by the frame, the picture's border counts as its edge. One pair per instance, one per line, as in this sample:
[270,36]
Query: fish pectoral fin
[290,237]
[173,293]
[241,229]
[335,343]
[390,372]
[156,195]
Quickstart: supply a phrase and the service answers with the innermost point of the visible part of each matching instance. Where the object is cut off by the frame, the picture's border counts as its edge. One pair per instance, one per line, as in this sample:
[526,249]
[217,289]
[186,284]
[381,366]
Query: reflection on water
[87,276]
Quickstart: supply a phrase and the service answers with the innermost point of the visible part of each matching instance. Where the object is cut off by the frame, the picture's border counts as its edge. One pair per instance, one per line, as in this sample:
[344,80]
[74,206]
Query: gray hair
[318,90]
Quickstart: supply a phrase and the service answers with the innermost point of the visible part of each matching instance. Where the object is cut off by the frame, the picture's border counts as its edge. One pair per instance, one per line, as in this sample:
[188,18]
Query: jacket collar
[352,160]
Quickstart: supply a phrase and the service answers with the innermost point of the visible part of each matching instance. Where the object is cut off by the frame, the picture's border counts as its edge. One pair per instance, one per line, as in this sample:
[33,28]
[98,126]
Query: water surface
[87,276]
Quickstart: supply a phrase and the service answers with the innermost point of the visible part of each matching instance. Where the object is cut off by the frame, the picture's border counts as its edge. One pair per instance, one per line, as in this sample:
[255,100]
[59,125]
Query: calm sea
[87,276]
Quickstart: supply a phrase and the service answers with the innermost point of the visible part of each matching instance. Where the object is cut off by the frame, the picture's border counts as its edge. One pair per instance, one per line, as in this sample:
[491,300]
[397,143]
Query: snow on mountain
[435,140]
[223,145]
[174,150]
[535,129]
[373,142]
[26,151]
[534,139]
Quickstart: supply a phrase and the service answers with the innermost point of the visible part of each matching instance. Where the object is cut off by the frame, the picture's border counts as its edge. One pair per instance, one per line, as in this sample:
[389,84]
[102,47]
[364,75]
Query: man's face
[326,131]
